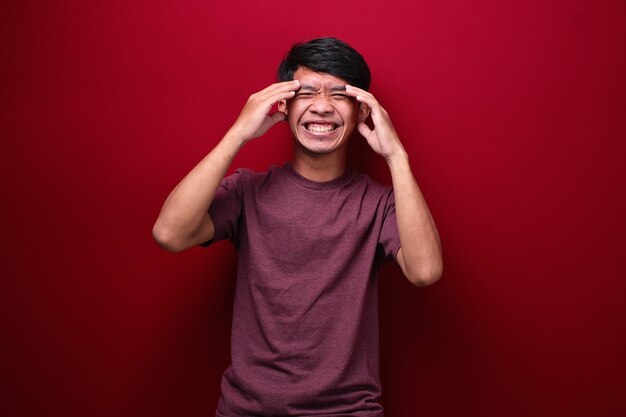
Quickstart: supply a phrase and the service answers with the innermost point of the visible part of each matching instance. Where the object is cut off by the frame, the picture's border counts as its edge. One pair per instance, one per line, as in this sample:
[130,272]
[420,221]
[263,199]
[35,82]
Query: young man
[311,236]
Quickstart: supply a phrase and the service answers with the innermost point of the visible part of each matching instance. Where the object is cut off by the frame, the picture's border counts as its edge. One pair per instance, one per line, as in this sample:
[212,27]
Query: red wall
[512,112]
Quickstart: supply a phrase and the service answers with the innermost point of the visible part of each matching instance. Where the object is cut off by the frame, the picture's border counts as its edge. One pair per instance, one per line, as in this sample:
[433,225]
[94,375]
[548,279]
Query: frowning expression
[321,115]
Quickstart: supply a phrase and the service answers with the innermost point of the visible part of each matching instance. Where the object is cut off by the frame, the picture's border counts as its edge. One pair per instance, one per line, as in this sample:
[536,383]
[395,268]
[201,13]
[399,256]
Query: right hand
[255,118]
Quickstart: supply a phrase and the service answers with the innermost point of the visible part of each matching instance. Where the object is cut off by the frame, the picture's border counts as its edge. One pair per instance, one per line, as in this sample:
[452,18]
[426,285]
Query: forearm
[420,253]
[184,221]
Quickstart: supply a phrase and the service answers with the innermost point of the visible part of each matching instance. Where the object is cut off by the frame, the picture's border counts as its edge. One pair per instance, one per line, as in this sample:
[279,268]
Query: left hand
[383,139]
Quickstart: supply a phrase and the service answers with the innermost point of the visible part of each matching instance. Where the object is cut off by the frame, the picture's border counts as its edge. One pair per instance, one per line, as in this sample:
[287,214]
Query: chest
[302,225]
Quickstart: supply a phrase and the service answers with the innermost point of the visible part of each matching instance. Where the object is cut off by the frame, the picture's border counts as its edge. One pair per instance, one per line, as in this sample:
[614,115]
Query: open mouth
[319,128]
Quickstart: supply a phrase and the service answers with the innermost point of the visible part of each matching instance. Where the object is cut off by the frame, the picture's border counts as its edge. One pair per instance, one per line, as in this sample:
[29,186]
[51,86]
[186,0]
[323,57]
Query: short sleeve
[225,210]
[389,235]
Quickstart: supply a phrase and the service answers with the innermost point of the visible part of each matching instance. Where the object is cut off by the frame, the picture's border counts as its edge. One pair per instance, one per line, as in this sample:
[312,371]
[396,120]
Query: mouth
[320,128]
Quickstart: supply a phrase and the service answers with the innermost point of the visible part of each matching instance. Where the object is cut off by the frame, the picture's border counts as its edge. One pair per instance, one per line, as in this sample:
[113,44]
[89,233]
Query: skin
[311,103]
[321,99]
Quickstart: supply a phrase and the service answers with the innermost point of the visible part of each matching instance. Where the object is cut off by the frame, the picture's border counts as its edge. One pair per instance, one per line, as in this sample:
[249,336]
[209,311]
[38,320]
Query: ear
[282,106]
[364,112]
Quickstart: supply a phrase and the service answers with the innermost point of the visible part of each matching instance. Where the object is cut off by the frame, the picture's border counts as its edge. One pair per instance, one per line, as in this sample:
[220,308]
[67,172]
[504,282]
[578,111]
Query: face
[321,115]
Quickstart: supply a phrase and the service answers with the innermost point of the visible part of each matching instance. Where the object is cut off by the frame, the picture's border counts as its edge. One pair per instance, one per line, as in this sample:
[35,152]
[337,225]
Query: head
[321,116]
[328,56]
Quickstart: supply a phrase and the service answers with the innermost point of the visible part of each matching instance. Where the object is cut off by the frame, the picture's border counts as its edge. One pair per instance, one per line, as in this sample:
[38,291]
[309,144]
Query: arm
[184,220]
[420,253]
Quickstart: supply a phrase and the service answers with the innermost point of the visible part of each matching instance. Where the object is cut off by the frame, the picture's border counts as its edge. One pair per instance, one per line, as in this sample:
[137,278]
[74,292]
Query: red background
[513,115]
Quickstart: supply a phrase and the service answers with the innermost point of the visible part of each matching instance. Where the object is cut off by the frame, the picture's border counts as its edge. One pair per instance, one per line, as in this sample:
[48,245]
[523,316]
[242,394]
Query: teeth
[319,128]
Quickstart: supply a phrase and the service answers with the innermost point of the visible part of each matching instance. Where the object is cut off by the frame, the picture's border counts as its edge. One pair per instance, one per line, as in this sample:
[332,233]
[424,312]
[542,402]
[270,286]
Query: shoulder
[249,181]
[368,193]
[371,186]
[247,175]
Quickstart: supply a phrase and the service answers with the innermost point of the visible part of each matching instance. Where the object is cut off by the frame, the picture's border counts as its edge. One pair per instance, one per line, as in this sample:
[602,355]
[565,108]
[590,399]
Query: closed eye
[340,97]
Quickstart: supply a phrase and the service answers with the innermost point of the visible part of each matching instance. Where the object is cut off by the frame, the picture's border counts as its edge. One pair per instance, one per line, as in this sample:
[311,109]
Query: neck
[319,167]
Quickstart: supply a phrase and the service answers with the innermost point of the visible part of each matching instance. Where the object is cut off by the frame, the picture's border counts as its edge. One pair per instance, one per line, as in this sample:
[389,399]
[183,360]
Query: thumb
[364,130]
[279,116]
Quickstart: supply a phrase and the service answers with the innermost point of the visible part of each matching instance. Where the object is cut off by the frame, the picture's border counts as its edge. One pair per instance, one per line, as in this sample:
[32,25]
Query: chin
[319,148]
[321,145]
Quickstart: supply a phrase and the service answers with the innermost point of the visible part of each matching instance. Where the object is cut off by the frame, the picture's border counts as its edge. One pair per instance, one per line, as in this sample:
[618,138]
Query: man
[311,236]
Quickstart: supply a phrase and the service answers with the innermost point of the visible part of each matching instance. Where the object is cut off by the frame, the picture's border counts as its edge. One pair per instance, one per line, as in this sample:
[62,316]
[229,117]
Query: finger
[363,96]
[368,99]
[268,122]
[281,96]
[364,130]
[268,98]
[379,115]
[266,104]
[279,88]
[283,85]
[356,92]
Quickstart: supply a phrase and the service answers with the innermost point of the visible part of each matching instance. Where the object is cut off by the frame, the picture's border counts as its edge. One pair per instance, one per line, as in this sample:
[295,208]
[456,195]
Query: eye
[340,97]
[304,95]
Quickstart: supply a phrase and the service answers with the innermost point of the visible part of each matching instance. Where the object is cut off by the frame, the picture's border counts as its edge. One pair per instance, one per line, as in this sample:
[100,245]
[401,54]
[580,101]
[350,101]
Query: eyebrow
[338,88]
[309,87]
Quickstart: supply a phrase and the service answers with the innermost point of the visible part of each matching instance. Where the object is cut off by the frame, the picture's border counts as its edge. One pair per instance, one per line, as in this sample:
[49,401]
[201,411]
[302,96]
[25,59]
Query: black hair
[329,56]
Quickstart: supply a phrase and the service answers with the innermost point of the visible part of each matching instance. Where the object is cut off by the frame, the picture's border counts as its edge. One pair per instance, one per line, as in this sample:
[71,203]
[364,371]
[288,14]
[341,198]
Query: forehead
[318,80]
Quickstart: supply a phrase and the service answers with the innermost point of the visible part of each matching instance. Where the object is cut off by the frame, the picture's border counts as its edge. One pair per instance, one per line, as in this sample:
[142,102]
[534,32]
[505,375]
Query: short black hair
[329,56]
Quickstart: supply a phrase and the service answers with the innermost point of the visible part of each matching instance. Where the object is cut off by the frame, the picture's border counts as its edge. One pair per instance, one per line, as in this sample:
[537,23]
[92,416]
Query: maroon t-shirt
[305,320]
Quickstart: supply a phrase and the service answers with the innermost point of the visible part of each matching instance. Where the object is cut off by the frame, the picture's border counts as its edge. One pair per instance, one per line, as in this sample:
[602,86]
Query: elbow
[166,239]
[425,276]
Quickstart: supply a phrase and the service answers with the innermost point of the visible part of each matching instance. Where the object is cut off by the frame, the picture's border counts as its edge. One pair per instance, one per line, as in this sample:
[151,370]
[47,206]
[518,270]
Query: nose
[321,105]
